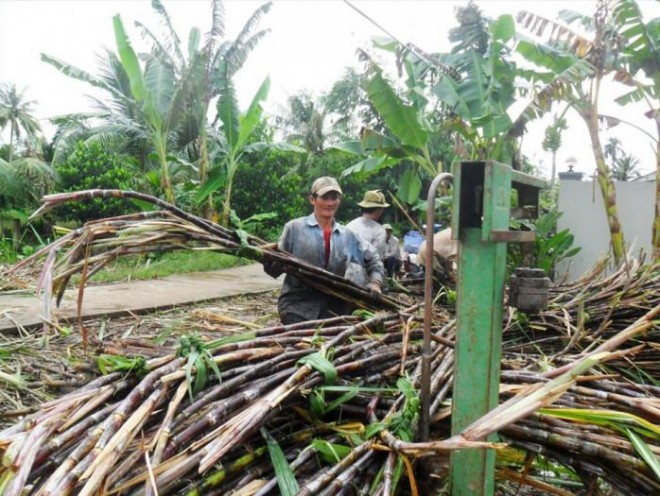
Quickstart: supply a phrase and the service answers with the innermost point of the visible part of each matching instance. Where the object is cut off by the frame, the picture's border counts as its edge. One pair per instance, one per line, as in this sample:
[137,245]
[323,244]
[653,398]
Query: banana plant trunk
[208,211]
[232,165]
[605,182]
[165,182]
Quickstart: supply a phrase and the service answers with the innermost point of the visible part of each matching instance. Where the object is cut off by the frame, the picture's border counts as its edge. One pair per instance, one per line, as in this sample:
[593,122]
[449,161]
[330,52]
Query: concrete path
[26,309]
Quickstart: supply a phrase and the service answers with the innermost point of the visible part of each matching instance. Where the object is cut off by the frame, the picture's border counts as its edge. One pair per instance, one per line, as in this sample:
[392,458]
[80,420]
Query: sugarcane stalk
[22,464]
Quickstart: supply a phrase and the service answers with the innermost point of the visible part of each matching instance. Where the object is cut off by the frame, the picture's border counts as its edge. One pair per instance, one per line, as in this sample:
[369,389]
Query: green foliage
[269,182]
[114,363]
[200,359]
[550,246]
[330,452]
[286,481]
[90,166]
[156,265]
[321,364]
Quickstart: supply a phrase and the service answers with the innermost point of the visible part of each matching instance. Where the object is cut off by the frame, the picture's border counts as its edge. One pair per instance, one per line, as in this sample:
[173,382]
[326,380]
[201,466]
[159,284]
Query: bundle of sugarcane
[325,407]
[581,315]
[162,423]
[91,247]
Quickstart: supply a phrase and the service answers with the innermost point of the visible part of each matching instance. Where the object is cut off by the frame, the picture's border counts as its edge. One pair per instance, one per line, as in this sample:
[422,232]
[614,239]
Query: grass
[154,266]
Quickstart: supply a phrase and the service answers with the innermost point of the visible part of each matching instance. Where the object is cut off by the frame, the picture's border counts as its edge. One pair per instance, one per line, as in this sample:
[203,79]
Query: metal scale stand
[480,222]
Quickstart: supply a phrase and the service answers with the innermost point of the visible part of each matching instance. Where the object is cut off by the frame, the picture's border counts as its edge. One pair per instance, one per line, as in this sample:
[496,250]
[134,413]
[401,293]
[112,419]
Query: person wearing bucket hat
[369,230]
[392,260]
[320,240]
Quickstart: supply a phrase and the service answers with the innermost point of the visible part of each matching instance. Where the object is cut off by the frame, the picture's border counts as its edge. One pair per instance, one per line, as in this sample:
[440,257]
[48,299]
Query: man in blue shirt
[320,240]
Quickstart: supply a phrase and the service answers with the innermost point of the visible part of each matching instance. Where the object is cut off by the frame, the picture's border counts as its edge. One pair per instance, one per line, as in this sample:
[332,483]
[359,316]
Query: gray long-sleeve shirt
[373,235]
[303,238]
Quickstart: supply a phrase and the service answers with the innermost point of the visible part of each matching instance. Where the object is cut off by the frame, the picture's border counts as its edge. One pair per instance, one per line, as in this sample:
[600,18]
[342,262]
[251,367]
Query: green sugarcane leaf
[238,338]
[201,376]
[214,366]
[360,389]
[616,420]
[317,403]
[330,452]
[286,480]
[321,364]
[344,398]
[373,429]
[645,452]
[192,357]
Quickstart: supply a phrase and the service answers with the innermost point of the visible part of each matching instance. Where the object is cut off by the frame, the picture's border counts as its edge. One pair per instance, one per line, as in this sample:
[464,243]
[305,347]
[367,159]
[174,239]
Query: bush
[90,166]
[270,182]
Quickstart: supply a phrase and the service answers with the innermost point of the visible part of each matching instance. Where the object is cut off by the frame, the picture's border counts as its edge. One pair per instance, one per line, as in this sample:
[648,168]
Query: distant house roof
[647,177]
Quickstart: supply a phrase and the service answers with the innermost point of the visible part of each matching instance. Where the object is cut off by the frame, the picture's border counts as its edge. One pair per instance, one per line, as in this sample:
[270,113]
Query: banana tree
[578,66]
[23,181]
[409,141]
[202,69]
[474,85]
[643,54]
[233,142]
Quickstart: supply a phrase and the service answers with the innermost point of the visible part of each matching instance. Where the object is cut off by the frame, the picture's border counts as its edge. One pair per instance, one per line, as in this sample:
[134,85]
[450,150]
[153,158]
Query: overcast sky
[310,44]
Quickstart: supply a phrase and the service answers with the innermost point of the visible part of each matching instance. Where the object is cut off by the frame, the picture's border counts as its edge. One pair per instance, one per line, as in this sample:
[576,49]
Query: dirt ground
[36,366]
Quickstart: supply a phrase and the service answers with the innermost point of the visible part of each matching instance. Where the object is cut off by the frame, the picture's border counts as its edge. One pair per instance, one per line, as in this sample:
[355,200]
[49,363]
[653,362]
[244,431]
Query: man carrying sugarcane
[370,231]
[320,240]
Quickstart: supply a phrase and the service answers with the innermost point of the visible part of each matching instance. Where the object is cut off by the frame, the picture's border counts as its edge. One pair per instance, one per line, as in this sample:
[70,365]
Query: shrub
[91,166]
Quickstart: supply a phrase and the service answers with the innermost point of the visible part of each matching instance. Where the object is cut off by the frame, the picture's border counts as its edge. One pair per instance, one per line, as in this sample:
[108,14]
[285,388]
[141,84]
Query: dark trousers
[392,266]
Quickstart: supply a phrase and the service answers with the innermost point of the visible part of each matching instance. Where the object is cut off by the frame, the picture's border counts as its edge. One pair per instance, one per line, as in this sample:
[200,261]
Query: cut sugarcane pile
[331,407]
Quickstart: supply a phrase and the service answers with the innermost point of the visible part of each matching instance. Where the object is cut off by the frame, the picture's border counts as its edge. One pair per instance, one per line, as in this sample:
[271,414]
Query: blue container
[411,241]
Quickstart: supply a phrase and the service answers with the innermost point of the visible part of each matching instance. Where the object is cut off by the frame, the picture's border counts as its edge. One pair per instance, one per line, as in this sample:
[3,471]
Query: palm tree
[624,166]
[16,112]
[552,142]
[304,123]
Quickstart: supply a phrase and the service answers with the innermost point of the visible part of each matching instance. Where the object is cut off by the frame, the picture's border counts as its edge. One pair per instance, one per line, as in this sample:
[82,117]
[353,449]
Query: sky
[310,44]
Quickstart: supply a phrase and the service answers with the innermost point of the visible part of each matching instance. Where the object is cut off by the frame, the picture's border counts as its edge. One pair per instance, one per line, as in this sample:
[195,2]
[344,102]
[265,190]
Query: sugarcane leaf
[317,403]
[213,366]
[330,452]
[286,480]
[373,429]
[344,398]
[192,357]
[645,452]
[360,389]
[321,364]
[201,376]
[238,338]
[610,418]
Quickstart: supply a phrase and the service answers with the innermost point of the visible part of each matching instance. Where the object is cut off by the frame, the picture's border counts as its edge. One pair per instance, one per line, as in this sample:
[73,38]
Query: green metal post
[481,269]
[480,222]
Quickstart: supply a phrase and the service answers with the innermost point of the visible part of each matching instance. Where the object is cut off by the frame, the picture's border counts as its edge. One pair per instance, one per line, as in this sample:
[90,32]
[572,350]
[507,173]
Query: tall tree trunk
[554,168]
[12,131]
[604,178]
[656,220]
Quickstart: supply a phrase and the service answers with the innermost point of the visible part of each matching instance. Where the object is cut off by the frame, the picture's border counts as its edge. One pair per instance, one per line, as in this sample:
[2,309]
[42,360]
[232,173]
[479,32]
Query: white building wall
[581,204]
